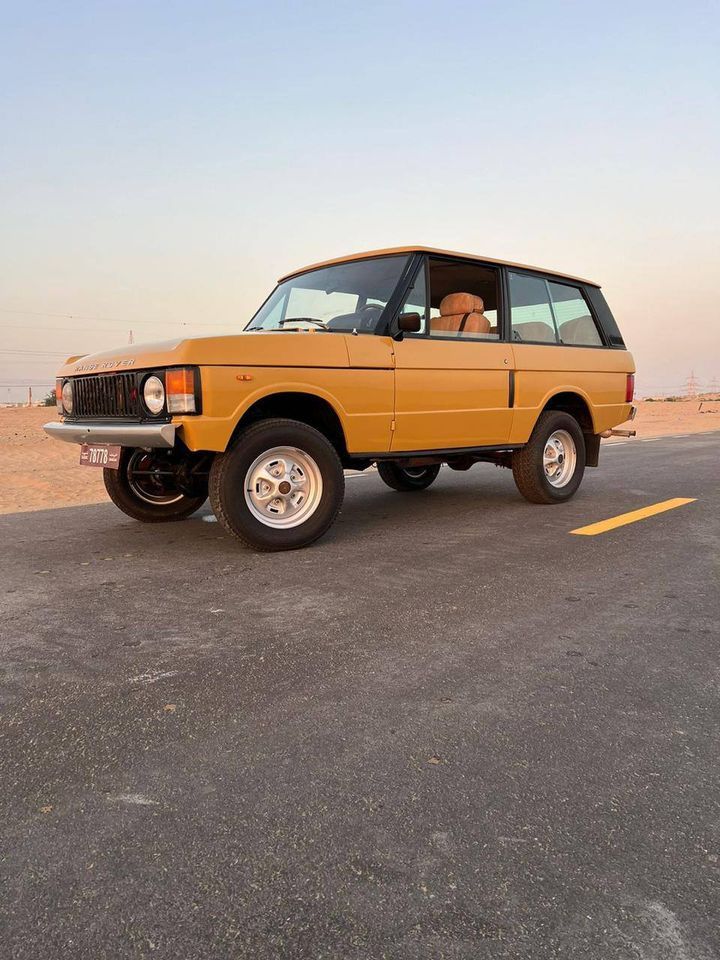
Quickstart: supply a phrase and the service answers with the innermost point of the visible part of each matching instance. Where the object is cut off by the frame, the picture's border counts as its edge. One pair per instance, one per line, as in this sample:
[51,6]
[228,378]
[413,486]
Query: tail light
[180,390]
[630,388]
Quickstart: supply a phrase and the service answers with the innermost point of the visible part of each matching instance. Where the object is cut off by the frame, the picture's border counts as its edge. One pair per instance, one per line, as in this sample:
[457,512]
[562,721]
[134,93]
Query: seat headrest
[461,303]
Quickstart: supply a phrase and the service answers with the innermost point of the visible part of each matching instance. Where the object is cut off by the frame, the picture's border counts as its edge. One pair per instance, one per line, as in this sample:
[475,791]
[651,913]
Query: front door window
[464,300]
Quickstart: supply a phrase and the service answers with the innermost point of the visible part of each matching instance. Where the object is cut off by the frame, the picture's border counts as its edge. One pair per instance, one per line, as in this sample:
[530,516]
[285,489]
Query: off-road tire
[403,480]
[527,463]
[125,499]
[229,471]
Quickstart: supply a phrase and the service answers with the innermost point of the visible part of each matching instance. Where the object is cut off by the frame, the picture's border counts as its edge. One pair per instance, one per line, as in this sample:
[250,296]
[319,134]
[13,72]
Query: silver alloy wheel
[559,458]
[147,484]
[283,487]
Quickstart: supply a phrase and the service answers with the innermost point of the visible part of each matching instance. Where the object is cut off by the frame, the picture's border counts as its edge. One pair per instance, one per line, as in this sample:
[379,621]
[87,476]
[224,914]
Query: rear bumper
[125,434]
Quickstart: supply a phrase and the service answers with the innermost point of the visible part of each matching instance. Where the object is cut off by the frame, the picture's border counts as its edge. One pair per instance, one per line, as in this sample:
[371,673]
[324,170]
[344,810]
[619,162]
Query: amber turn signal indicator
[180,390]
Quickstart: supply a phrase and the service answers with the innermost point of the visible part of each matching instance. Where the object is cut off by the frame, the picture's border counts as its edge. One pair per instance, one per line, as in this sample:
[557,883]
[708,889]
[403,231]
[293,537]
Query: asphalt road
[450,729]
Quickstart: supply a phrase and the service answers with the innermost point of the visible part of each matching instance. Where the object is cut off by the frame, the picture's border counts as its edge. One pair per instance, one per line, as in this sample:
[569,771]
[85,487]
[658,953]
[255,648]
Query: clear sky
[162,164]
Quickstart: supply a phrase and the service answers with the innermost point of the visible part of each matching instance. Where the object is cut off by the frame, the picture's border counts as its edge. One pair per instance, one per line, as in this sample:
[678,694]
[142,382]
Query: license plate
[100,455]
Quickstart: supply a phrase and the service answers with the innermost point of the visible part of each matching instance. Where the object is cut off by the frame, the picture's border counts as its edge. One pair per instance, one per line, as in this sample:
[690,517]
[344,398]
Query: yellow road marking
[624,518]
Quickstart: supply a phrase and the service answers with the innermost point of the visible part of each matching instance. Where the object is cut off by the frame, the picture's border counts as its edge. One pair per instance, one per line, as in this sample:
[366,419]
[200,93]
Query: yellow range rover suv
[406,358]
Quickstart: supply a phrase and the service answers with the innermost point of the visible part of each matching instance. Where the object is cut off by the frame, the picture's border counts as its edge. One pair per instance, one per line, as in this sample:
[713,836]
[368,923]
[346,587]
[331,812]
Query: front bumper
[125,434]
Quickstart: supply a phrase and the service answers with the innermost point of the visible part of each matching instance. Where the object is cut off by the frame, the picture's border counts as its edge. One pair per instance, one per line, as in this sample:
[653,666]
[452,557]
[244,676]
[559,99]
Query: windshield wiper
[318,323]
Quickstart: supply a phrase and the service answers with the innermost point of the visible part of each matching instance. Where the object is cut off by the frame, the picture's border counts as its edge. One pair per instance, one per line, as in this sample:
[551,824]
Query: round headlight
[67,397]
[154,394]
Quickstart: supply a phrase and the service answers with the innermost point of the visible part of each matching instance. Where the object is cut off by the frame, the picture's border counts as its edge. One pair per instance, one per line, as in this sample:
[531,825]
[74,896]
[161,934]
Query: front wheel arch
[303,407]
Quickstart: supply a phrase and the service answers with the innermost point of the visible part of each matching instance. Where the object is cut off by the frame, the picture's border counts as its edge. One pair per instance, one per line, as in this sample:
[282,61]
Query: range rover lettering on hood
[104,365]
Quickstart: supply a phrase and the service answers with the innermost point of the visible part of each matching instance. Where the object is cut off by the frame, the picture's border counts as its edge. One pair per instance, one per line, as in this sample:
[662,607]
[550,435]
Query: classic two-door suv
[405,358]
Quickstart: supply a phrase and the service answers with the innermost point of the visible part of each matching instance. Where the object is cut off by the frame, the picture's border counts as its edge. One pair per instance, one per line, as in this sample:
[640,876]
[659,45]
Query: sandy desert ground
[37,473]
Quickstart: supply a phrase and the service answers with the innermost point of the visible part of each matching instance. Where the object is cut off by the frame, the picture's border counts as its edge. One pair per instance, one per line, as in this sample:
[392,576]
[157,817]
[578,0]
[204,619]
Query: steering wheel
[367,320]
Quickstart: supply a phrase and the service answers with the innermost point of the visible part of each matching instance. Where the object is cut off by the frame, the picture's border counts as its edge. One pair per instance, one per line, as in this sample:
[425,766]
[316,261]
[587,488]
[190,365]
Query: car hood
[257,348]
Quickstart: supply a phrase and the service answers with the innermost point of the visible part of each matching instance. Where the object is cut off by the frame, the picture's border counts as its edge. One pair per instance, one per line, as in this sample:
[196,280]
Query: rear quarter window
[605,317]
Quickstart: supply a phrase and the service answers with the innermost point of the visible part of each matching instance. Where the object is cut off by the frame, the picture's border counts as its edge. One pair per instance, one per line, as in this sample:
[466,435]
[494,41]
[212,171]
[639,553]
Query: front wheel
[144,487]
[405,479]
[549,468]
[279,487]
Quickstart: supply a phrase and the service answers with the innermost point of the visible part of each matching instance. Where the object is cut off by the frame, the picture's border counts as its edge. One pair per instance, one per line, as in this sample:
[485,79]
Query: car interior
[463,300]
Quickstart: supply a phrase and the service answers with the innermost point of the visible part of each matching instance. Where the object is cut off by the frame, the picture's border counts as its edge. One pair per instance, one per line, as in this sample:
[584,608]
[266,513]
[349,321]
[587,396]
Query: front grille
[107,395]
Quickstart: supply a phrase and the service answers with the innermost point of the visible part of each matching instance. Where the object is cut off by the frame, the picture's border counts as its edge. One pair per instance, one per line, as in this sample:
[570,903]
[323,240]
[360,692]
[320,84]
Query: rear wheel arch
[578,406]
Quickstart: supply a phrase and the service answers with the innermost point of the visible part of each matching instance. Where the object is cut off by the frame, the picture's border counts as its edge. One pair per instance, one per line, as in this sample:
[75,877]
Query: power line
[77,316]
[33,353]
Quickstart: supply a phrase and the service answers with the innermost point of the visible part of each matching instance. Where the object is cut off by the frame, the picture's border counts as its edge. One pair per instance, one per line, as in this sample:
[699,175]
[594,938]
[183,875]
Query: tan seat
[534,330]
[461,313]
[580,330]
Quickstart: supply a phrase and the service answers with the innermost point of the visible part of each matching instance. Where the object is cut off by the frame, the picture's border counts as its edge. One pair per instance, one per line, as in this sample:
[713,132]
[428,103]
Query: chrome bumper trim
[125,434]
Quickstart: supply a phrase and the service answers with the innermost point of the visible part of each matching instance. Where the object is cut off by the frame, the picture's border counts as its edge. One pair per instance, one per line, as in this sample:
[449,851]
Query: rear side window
[546,311]
[531,314]
[575,324]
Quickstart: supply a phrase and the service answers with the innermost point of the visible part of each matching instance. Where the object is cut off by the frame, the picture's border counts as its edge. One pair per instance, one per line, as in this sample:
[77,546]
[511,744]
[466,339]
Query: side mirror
[410,323]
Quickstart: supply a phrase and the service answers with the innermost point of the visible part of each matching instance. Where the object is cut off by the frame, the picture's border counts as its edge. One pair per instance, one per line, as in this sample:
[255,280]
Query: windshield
[344,297]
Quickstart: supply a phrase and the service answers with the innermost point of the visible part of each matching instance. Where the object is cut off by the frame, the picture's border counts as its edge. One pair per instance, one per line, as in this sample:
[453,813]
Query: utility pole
[691,385]
[131,338]
[29,396]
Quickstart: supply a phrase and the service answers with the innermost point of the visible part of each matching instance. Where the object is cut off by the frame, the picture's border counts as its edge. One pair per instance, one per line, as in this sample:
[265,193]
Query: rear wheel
[144,487]
[279,487]
[550,467]
[405,479]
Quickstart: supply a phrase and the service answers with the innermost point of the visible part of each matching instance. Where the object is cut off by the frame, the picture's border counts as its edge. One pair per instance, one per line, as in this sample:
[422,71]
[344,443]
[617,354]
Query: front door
[452,380]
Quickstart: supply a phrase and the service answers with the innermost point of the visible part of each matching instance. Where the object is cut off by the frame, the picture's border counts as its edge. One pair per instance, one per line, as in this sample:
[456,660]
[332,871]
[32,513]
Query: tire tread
[128,503]
[218,474]
[527,462]
[395,478]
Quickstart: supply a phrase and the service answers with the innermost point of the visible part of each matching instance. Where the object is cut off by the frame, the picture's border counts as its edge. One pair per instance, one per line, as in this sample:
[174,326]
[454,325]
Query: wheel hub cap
[559,458]
[283,487]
